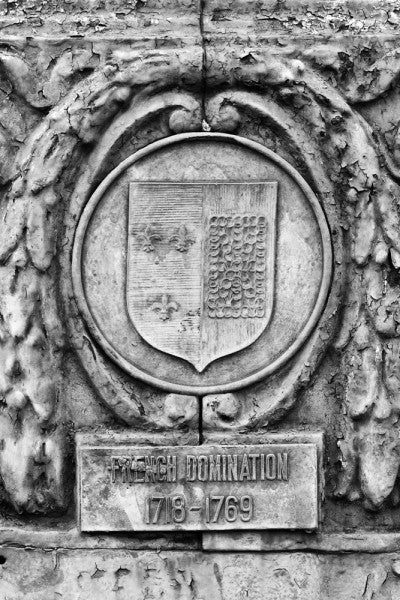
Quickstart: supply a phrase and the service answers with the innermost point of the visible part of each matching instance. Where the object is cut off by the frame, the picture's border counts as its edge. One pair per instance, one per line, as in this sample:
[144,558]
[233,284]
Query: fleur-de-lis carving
[147,237]
[182,239]
[164,307]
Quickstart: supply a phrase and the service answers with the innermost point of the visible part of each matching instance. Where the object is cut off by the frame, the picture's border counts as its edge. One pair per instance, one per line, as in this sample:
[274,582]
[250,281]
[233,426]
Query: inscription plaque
[198,488]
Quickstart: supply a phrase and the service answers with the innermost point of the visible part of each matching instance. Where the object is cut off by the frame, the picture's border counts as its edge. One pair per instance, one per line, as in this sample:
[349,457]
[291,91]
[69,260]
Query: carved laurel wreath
[338,154]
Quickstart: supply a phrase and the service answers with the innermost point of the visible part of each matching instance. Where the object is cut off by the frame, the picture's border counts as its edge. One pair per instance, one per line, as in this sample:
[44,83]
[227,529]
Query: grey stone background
[318,84]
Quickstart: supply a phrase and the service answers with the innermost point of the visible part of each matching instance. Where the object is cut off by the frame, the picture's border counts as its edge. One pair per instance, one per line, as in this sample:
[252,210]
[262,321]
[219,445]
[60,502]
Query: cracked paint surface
[316,83]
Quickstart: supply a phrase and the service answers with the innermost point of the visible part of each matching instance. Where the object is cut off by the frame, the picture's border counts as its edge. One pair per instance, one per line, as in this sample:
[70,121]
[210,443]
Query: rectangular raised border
[111,439]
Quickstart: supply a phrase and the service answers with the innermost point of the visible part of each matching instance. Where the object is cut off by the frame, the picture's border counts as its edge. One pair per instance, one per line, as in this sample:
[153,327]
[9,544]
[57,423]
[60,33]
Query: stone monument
[199,300]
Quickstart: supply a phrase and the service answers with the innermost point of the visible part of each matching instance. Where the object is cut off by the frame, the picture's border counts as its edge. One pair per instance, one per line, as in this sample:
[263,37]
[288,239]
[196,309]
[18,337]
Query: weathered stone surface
[131,575]
[83,87]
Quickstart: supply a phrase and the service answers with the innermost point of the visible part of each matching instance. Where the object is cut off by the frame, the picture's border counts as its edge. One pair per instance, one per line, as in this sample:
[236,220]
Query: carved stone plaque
[198,488]
[202,263]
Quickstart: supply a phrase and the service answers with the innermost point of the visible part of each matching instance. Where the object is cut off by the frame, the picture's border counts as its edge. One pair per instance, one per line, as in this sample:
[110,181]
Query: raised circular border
[79,293]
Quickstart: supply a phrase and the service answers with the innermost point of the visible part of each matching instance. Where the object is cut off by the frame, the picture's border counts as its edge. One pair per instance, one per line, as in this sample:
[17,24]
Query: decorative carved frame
[310,123]
[86,211]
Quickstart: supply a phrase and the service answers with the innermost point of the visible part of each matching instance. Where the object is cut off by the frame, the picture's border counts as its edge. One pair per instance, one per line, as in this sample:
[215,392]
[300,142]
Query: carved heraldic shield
[201,260]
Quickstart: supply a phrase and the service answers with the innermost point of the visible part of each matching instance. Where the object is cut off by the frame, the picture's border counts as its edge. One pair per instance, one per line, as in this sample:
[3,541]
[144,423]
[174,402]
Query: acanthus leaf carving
[32,337]
[370,451]
[368,338]
[370,330]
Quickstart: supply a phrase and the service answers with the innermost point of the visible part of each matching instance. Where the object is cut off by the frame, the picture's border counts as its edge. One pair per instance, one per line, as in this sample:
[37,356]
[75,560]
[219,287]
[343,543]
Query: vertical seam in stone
[200,426]
[204,59]
[203,117]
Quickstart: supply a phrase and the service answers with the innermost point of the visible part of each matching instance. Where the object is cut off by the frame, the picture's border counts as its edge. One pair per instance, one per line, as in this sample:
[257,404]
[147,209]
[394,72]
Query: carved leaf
[379,460]
[43,87]
[31,335]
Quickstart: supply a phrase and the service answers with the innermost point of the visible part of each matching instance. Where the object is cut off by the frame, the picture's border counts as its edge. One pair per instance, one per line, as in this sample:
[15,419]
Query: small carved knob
[227,119]
[226,406]
[182,120]
[180,408]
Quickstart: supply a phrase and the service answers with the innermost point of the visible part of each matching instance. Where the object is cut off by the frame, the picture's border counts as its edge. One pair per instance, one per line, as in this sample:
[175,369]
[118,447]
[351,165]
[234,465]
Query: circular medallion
[202,263]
